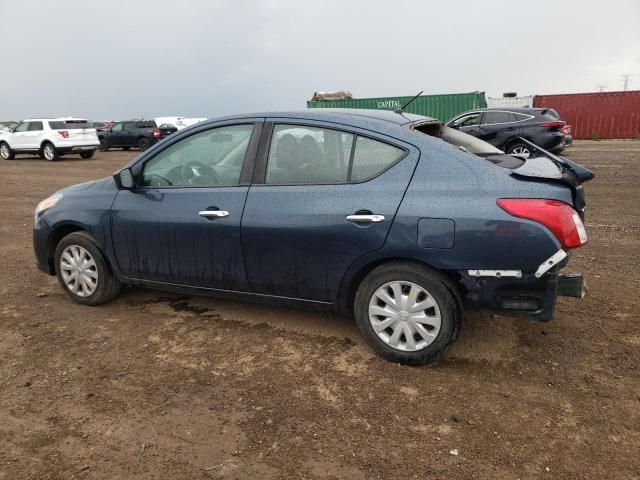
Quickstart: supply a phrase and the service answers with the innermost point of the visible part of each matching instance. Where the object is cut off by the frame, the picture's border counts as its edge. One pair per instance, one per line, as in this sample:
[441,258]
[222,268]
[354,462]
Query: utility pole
[626,80]
[601,86]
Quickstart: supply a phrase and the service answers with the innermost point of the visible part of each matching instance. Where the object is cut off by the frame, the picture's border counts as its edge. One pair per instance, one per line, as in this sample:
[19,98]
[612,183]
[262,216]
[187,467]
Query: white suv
[50,138]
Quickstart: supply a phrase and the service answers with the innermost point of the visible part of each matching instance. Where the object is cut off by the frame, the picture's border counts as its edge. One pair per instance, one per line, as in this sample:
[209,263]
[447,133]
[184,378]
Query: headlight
[45,205]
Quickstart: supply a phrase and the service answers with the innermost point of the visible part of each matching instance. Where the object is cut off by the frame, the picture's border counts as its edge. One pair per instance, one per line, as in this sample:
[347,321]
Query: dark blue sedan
[392,217]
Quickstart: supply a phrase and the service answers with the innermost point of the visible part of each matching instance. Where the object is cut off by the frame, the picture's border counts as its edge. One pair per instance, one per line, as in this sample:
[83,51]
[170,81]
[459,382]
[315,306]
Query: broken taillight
[559,217]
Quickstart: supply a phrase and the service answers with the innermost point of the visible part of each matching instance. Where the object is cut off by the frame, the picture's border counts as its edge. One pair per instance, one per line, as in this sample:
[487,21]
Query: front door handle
[213,213]
[365,218]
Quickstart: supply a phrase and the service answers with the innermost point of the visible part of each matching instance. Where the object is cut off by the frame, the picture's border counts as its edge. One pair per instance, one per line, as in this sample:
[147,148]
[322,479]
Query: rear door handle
[365,218]
[213,213]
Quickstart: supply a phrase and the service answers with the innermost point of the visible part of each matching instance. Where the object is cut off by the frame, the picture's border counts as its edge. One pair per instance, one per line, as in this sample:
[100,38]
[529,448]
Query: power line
[626,80]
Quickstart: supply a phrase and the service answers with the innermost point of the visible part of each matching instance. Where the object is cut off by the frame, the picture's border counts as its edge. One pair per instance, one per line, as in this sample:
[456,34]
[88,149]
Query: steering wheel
[196,173]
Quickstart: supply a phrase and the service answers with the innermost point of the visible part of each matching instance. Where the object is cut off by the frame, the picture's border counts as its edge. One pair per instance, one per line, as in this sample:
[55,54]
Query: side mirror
[124,179]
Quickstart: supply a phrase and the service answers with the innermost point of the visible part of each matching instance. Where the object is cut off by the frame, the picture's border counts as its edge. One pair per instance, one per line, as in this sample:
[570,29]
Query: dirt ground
[162,386]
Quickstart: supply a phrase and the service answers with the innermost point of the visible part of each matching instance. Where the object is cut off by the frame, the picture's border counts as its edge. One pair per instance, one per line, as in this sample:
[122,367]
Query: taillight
[63,133]
[558,124]
[559,217]
[566,130]
[156,133]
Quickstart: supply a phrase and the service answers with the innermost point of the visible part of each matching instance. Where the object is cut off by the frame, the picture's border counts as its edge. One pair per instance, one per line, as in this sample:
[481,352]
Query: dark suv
[133,133]
[503,128]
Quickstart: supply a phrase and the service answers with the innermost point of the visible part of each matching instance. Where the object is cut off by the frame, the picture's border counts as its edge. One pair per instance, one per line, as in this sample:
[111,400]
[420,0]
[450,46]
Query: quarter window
[213,158]
[372,157]
[308,155]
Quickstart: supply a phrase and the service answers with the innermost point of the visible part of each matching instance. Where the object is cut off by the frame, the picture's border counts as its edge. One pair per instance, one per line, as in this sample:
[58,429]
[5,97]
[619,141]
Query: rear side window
[498,117]
[310,155]
[372,157]
[35,126]
[69,124]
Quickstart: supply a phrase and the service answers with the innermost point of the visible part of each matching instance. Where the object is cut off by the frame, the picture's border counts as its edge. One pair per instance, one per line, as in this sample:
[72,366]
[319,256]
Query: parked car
[133,133]
[178,122]
[102,126]
[50,138]
[392,217]
[503,128]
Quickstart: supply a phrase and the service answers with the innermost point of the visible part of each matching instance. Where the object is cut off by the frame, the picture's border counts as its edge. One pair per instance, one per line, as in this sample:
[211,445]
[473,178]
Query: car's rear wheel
[521,149]
[83,271]
[126,148]
[6,152]
[86,154]
[49,152]
[143,144]
[407,313]
[104,146]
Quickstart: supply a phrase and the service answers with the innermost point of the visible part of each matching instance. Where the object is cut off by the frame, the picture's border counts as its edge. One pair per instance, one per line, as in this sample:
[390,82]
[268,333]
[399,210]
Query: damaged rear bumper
[532,294]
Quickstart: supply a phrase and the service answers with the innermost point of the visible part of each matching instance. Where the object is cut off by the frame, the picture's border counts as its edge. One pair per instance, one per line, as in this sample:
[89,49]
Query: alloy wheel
[404,316]
[79,271]
[522,151]
[49,153]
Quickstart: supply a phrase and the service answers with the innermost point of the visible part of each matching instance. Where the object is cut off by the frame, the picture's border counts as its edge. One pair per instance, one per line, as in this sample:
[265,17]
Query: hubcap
[4,151]
[524,151]
[48,152]
[79,271]
[404,316]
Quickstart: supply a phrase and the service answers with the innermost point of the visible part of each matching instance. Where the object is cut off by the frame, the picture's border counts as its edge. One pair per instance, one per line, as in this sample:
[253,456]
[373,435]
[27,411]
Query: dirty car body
[373,190]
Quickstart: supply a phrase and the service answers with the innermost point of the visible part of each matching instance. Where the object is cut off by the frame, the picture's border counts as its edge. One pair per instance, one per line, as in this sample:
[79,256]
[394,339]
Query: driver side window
[213,158]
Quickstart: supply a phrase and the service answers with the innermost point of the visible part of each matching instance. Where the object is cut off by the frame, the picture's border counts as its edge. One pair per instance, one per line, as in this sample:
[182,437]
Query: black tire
[438,286]
[86,155]
[107,285]
[6,152]
[520,148]
[104,146]
[49,152]
[143,144]
[126,149]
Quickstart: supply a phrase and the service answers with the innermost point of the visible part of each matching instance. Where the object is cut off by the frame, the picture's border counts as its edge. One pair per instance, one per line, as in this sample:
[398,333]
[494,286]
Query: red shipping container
[597,115]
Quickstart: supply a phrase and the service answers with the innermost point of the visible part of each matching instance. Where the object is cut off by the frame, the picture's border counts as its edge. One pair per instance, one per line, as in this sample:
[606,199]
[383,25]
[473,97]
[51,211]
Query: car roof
[507,109]
[351,116]
[48,119]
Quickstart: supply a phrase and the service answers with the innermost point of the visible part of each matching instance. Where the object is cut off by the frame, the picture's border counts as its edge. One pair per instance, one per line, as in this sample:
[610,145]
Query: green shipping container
[442,107]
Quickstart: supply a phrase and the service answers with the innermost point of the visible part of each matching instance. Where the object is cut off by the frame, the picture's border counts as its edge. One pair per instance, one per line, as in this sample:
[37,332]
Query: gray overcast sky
[115,59]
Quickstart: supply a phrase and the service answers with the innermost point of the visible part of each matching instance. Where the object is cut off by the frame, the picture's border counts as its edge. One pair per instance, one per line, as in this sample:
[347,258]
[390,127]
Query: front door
[181,224]
[324,198]
[19,137]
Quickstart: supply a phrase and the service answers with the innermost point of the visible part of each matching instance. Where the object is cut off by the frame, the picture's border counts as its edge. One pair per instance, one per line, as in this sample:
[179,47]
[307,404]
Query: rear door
[33,136]
[497,127]
[322,197]
[181,224]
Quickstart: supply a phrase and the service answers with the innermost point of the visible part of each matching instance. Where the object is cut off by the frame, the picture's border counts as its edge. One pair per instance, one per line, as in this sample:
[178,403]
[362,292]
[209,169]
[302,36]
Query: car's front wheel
[407,313]
[6,152]
[49,152]
[104,146]
[83,271]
